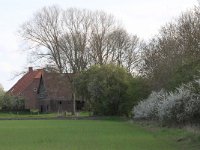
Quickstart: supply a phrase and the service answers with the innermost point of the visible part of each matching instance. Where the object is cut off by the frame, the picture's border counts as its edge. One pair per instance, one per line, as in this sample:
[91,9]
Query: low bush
[148,109]
[180,107]
[105,90]
[110,90]
[9,102]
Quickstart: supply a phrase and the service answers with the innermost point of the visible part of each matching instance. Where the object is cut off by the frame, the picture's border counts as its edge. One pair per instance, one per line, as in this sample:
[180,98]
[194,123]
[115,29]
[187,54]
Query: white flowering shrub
[173,108]
[148,109]
[180,106]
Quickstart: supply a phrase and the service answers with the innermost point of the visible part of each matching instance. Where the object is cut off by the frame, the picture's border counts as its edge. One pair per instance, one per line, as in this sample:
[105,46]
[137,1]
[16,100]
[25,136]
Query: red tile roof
[25,81]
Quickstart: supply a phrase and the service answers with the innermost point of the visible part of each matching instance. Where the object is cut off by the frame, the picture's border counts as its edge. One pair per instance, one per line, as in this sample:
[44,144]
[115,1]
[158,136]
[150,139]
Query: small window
[60,102]
[35,89]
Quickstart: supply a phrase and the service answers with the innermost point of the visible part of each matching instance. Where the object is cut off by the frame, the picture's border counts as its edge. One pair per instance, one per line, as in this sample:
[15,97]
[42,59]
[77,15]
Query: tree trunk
[74,103]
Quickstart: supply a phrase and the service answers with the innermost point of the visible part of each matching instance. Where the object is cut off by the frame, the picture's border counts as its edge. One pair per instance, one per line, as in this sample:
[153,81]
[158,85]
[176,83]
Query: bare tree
[44,32]
[176,45]
[123,48]
[70,41]
[74,43]
[102,26]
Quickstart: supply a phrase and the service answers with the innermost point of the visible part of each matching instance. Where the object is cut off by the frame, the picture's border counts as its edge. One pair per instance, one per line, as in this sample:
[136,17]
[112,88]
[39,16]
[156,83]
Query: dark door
[41,108]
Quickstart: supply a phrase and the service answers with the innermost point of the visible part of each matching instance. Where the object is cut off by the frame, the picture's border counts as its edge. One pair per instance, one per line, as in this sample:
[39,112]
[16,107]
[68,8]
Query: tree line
[173,56]
[76,40]
[72,40]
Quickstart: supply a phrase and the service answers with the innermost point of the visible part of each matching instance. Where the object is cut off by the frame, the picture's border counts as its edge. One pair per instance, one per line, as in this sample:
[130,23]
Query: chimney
[30,69]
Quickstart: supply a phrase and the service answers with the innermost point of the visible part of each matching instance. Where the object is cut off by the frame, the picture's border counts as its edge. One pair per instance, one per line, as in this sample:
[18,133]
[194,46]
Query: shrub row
[180,106]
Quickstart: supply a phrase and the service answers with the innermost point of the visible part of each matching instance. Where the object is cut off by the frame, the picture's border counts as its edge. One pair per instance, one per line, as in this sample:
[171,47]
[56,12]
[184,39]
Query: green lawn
[88,135]
[15,115]
[30,115]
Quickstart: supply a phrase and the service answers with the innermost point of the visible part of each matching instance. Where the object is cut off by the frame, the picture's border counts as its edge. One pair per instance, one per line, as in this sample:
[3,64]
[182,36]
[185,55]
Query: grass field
[89,135]
[15,115]
[29,115]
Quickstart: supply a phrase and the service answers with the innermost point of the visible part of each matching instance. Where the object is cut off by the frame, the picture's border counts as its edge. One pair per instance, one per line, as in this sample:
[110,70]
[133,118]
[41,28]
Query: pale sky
[141,17]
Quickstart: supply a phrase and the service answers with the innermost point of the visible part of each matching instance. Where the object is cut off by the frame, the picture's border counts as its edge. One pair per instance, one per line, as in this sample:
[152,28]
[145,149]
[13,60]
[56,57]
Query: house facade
[46,91]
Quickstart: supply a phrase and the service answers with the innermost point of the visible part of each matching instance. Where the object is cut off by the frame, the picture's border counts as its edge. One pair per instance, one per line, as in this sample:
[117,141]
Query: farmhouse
[46,91]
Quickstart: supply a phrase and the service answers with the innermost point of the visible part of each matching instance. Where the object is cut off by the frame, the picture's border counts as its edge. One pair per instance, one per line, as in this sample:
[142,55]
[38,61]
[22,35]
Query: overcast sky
[141,17]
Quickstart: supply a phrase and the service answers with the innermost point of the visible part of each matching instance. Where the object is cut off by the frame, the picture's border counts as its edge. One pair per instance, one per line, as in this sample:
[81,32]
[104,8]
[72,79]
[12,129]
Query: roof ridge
[18,81]
[36,71]
[24,82]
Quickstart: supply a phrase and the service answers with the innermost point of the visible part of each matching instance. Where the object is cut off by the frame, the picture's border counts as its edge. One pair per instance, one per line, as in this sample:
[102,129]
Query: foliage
[9,102]
[184,74]
[6,102]
[172,57]
[180,106]
[108,89]
[72,40]
[18,103]
[139,89]
[148,109]
[1,89]
[1,93]
[171,60]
